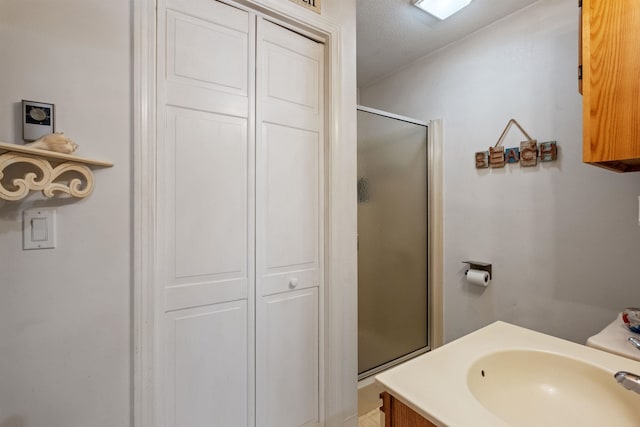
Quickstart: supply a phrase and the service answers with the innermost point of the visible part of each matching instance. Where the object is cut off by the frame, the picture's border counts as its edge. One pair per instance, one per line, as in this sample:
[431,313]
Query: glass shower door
[392,240]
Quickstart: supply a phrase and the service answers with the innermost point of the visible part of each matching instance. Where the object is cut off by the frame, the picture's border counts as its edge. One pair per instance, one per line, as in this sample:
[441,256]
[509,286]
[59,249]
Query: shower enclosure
[392,240]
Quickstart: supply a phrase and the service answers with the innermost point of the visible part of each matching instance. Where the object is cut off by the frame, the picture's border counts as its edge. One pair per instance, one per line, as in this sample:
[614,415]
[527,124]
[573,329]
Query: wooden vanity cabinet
[610,69]
[397,414]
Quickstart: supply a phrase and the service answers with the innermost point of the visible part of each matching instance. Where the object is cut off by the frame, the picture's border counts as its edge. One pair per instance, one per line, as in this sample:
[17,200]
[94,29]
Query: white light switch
[38,228]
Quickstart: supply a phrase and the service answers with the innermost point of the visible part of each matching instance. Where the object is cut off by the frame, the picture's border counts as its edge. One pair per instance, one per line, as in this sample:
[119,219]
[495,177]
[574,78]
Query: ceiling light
[441,9]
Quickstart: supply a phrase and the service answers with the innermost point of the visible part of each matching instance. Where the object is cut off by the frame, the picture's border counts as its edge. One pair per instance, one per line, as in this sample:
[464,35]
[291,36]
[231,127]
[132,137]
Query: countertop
[435,384]
[613,339]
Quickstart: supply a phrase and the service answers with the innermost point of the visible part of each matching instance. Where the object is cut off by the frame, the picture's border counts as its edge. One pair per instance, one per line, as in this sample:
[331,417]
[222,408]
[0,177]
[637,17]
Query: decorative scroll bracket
[55,173]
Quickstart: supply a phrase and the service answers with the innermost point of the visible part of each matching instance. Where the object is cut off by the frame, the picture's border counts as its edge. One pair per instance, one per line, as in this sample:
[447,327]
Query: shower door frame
[430,294]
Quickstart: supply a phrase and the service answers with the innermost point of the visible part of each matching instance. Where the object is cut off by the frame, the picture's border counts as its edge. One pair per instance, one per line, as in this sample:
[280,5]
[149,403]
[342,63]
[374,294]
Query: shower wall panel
[392,239]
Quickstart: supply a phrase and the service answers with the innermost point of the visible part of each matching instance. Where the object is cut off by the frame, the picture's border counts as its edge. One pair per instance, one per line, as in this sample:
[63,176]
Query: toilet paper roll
[478,277]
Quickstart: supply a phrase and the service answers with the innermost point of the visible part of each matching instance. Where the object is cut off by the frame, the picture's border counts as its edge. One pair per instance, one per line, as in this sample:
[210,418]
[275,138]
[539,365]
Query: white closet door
[289,227]
[207,351]
[289,395]
[205,212]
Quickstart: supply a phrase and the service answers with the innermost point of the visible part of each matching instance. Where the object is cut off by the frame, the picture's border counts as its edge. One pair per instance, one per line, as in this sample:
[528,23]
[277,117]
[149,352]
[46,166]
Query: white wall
[65,314]
[65,341]
[563,237]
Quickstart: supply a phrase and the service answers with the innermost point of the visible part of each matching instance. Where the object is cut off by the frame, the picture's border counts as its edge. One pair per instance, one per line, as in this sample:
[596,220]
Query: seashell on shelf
[54,142]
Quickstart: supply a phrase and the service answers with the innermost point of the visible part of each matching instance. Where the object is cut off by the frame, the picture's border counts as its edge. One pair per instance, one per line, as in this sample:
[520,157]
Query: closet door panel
[289,227]
[288,359]
[212,55]
[291,72]
[207,160]
[285,63]
[205,214]
[207,60]
[213,11]
[291,196]
[208,357]
[291,203]
[289,156]
[210,221]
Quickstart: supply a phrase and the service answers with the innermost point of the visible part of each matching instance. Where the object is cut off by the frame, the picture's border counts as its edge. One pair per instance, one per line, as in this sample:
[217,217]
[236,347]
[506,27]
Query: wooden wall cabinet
[610,68]
[397,414]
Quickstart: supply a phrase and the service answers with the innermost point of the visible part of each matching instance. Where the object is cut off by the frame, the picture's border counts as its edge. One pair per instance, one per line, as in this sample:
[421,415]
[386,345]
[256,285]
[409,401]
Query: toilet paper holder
[477,265]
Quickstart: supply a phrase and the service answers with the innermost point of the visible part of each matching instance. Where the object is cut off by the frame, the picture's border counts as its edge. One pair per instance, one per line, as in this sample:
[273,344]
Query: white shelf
[47,171]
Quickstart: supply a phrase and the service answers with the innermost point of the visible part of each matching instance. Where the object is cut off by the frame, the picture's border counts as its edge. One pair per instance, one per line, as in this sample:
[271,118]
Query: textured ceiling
[393,33]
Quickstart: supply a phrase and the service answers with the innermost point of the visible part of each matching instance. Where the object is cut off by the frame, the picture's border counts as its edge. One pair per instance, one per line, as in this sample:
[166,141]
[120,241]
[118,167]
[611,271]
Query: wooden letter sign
[512,155]
[528,153]
[309,4]
[482,159]
[496,157]
[548,151]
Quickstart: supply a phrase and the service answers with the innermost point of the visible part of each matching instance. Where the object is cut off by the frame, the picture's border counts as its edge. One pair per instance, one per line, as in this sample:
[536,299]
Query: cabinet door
[611,83]
[205,219]
[289,227]
[397,414]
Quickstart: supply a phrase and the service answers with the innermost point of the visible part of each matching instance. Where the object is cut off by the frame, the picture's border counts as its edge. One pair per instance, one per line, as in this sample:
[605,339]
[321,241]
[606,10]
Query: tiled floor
[368,397]
[368,403]
[371,419]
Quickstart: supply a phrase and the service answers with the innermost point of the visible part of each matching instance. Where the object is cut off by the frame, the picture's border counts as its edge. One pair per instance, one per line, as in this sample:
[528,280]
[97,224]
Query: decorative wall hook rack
[527,154]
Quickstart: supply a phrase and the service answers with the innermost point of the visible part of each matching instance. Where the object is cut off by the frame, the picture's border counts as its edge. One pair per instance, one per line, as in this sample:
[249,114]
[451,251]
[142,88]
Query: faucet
[634,342]
[628,380]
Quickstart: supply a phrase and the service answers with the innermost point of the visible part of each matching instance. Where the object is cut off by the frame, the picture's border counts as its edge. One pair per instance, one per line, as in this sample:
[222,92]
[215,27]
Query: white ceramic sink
[537,388]
[530,379]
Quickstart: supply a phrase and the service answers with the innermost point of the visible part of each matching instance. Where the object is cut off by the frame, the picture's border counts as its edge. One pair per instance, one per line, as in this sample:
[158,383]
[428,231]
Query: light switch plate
[39,228]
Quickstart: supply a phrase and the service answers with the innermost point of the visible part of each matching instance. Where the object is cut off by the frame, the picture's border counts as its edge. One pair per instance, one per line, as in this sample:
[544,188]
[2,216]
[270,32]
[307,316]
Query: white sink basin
[530,379]
[537,388]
